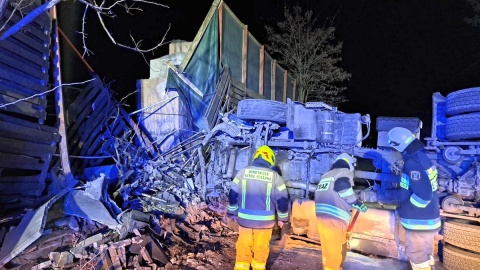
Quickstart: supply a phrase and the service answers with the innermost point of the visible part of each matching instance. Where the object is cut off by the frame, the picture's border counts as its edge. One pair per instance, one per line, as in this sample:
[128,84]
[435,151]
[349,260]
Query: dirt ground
[293,254]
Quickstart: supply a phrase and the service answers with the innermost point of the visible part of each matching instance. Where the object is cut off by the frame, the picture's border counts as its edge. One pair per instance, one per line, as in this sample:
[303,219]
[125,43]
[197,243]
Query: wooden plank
[116,263]
[16,91]
[244,54]
[294,89]
[14,131]
[28,124]
[22,65]
[9,74]
[214,107]
[285,82]
[122,255]
[142,137]
[27,41]
[42,21]
[22,107]
[82,116]
[272,79]
[13,161]
[31,178]
[220,30]
[238,86]
[60,108]
[46,166]
[8,199]
[25,148]
[90,136]
[35,28]
[79,108]
[262,69]
[23,188]
[94,124]
[20,74]
[26,53]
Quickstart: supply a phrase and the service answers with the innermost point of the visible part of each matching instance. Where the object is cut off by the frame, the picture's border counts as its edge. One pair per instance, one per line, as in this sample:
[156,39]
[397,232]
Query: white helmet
[399,138]
[349,159]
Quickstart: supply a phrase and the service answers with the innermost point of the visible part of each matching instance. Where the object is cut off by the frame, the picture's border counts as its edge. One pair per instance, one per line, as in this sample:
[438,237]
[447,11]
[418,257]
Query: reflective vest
[419,206]
[257,194]
[329,202]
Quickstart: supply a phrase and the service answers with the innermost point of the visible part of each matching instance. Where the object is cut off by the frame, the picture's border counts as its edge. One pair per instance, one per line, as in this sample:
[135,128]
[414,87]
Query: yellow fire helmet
[266,153]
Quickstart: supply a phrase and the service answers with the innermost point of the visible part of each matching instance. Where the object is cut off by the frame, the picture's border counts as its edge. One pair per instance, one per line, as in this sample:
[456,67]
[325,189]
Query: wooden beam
[262,69]
[285,86]
[62,129]
[220,30]
[245,57]
[274,71]
[294,89]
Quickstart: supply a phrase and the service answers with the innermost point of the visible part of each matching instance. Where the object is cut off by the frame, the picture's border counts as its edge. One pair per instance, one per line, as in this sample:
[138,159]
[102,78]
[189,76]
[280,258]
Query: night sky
[398,52]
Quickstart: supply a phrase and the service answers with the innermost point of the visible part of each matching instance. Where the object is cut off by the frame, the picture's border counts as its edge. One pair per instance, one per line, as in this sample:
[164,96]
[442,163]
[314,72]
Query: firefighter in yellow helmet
[334,201]
[256,193]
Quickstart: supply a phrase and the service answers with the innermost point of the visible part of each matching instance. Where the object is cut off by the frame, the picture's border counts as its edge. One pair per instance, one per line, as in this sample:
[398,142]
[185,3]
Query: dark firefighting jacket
[255,193]
[419,206]
[334,195]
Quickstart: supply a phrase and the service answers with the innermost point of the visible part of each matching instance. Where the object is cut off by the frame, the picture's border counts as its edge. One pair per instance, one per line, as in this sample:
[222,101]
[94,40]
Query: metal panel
[377,231]
[279,82]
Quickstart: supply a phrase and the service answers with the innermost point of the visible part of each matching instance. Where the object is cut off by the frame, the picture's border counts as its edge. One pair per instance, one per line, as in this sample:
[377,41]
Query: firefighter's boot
[432,262]
[421,266]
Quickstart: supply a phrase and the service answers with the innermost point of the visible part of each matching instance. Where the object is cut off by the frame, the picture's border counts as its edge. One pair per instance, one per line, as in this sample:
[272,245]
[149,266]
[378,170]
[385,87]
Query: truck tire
[462,235]
[463,101]
[462,127]
[261,109]
[457,259]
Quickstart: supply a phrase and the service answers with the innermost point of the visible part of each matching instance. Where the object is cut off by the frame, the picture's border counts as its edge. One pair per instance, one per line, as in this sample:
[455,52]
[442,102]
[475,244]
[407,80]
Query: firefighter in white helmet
[419,207]
[256,193]
[334,200]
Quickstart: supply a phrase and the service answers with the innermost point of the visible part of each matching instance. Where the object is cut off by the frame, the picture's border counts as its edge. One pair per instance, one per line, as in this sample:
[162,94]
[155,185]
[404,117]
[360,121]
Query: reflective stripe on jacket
[328,201]
[419,205]
[255,194]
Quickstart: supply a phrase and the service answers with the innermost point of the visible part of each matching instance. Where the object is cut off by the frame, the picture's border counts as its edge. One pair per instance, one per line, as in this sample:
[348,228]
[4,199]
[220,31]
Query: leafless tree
[311,54]
[475,20]
[101,10]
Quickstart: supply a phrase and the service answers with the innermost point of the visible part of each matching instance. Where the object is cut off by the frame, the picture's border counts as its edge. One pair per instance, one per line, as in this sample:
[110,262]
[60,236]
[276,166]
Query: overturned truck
[307,138]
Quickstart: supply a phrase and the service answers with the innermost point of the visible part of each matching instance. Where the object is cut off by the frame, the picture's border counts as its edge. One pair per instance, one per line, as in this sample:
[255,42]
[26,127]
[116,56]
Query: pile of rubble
[199,240]
[141,213]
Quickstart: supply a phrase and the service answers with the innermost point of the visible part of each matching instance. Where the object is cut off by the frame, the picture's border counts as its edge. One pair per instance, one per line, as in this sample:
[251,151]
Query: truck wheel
[463,101]
[261,109]
[457,259]
[462,235]
[463,127]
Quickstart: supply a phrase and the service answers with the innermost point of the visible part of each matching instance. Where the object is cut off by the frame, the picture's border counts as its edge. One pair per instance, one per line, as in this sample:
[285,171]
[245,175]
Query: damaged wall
[27,143]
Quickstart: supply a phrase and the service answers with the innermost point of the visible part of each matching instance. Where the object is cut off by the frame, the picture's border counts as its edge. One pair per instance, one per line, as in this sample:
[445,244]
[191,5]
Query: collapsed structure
[140,181]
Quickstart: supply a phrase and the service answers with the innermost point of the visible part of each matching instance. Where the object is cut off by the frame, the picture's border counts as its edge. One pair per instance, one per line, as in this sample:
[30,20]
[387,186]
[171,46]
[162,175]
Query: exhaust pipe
[311,187]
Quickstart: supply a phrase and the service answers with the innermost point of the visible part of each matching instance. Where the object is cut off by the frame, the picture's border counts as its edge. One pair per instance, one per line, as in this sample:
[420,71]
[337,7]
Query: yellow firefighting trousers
[253,246]
[332,232]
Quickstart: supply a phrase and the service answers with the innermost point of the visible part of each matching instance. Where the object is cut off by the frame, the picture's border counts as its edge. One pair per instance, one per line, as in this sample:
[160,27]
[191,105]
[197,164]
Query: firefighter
[255,194]
[334,201]
[419,207]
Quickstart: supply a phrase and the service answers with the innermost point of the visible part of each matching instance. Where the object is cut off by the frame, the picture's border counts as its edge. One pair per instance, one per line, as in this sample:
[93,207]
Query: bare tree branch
[43,93]
[311,54]
[475,20]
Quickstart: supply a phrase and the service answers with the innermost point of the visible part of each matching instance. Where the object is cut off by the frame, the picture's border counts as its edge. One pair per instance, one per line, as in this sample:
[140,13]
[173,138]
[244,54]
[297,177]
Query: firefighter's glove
[360,206]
